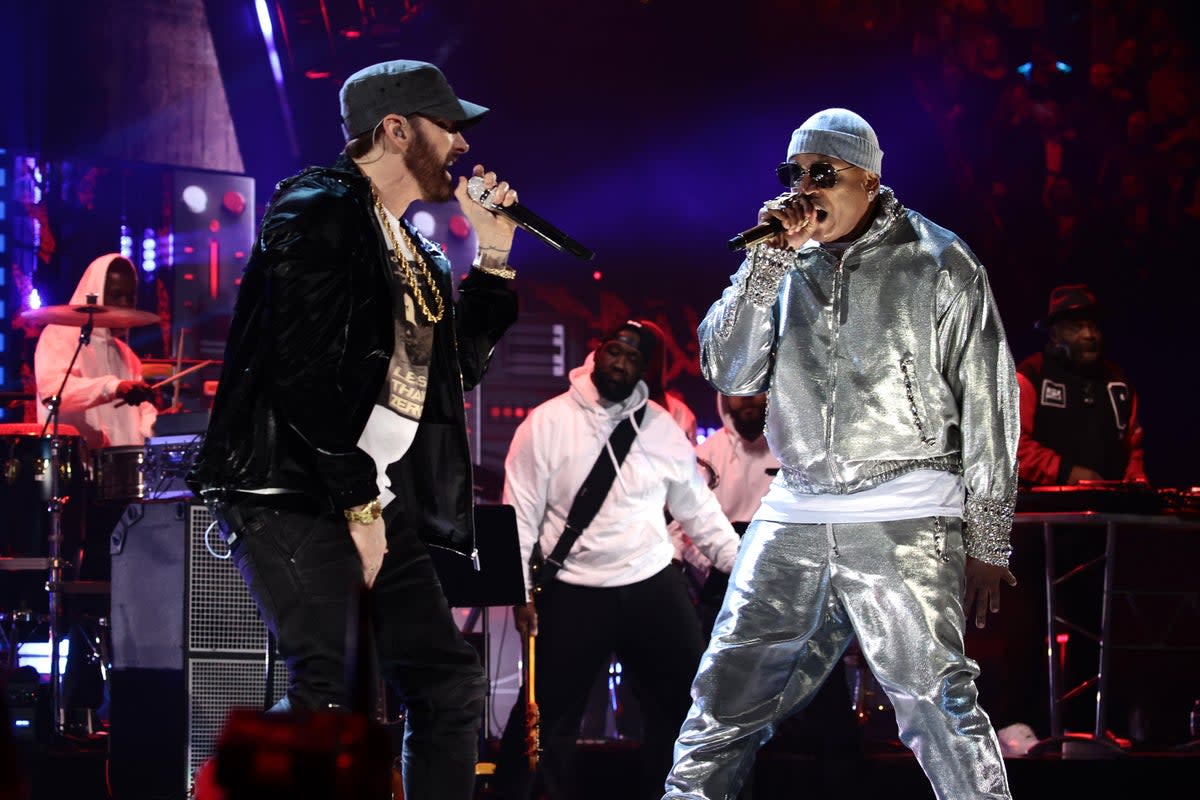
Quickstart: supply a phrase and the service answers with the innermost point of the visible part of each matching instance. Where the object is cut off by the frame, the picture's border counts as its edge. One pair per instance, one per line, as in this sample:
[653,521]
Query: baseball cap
[401,87]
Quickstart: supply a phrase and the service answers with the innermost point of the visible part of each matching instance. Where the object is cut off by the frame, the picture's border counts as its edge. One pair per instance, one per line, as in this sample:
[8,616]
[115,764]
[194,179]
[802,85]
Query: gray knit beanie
[840,133]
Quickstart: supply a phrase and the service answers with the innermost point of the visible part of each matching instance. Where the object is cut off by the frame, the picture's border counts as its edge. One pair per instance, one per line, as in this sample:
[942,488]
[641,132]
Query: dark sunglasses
[823,174]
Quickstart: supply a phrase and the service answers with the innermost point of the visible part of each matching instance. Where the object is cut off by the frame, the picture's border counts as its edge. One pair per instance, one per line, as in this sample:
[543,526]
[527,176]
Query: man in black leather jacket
[331,453]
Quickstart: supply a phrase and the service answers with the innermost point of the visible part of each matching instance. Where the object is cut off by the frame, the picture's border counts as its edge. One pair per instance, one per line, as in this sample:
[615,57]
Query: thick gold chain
[406,264]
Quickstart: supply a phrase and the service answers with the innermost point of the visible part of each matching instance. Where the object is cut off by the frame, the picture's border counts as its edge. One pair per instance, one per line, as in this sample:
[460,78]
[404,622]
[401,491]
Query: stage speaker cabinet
[188,646]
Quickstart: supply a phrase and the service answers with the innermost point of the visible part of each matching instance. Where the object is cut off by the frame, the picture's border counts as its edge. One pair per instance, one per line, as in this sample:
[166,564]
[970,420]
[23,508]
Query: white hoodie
[89,397]
[741,465]
[552,453]
[743,479]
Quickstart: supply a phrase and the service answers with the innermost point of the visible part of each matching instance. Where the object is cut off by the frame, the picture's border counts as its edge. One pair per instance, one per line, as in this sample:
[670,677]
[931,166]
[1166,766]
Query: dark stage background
[649,130]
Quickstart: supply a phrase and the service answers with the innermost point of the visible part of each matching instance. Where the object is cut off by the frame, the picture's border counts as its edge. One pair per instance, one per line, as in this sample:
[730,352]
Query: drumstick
[175,377]
[179,375]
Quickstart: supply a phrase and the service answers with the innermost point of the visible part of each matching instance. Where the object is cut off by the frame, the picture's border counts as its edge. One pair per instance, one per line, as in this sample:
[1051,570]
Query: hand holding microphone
[787,215]
[494,231]
[496,197]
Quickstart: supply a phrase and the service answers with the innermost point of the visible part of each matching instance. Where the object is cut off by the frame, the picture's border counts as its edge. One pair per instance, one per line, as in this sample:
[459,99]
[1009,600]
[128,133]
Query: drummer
[108,402]
[105,398]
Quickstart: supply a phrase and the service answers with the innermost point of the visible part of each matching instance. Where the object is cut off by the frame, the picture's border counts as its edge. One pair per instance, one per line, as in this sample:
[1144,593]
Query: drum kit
[45,468]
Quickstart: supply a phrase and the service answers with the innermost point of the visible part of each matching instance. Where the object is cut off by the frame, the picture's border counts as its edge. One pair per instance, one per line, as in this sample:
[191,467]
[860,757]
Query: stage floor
[77,772]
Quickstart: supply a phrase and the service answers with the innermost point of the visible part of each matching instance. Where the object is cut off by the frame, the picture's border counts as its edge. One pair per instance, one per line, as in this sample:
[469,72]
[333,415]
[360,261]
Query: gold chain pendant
[409,274]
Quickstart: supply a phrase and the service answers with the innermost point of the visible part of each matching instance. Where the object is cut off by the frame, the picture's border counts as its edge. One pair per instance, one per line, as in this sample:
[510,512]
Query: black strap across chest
[587,501]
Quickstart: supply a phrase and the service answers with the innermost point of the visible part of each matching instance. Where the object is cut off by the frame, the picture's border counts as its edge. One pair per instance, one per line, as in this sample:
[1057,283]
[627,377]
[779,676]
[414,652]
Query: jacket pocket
[908,372]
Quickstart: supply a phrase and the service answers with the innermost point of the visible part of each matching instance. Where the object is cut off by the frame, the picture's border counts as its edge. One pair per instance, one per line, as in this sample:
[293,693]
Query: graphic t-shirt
[393,422]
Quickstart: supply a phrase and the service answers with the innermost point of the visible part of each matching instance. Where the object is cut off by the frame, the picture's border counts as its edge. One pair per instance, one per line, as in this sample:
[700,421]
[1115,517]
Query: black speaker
[188,646]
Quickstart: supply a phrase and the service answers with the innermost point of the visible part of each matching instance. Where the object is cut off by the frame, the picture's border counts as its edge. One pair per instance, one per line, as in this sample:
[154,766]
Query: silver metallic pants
[797,596]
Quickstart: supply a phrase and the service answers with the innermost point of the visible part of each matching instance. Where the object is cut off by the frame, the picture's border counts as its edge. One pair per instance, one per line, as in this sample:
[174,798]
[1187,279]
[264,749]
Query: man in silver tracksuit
[893,410]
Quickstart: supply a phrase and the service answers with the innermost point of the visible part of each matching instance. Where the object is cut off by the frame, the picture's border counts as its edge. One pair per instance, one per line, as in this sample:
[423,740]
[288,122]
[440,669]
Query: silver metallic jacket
[889,360]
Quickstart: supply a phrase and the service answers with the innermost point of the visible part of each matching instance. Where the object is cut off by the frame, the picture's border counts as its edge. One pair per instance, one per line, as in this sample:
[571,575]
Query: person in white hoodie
[617,590]
[740,467]
[105,398]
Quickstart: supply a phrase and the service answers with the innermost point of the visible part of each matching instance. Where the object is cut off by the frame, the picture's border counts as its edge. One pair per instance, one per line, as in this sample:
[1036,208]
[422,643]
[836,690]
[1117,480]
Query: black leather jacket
[307,355]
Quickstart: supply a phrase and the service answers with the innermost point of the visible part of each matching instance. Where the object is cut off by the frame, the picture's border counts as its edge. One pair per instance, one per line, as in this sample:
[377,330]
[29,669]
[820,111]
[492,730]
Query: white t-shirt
[920,493]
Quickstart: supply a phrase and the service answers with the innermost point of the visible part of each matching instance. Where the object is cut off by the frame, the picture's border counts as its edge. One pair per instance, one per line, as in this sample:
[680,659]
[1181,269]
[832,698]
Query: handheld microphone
[763,230]
[756,234]
[528,221]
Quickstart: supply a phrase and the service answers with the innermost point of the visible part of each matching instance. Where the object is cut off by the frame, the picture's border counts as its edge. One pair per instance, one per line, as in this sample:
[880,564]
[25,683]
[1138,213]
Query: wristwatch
[365,514]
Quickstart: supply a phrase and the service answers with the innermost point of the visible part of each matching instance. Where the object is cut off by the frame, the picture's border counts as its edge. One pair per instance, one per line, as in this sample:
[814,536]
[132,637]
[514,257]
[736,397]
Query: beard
[1084,361]
[1087,360]
[610,389]
[428,170]
[749,424]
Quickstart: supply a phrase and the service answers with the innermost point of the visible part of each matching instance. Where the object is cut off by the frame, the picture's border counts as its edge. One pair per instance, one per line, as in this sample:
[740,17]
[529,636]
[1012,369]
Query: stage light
[37,655]
[459,226]
[268,32]
[126,243]
[1026,69]
[234,202]
[195,198]
[424,222]
[35,170]
[149,251]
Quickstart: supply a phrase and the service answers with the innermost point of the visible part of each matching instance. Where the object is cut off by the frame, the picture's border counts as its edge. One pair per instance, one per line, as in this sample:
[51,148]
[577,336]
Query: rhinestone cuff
[762,273]
[987,523]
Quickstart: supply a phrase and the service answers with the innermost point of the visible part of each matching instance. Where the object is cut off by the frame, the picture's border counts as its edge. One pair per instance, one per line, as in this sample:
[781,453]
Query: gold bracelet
[502,270]
[508,273]
[364,514]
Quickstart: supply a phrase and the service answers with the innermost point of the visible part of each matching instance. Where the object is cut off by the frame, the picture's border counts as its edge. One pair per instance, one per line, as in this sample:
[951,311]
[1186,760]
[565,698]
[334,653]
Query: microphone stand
[54,583]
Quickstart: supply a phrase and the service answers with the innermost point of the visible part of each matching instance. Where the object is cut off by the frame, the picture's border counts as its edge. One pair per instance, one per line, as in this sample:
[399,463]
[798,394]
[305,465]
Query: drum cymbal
[77,316]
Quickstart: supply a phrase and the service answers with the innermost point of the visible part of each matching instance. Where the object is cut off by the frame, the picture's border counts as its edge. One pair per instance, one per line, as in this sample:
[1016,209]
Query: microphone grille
[478,192]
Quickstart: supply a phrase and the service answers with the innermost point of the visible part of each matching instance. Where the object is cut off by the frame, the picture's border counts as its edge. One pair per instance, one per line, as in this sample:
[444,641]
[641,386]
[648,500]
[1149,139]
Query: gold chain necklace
[406,264]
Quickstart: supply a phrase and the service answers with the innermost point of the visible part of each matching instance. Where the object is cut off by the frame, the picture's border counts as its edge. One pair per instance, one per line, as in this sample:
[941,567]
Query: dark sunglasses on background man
[823,174]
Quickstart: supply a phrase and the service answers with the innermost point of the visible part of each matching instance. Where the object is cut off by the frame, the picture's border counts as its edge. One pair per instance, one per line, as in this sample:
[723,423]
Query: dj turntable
[1122,497]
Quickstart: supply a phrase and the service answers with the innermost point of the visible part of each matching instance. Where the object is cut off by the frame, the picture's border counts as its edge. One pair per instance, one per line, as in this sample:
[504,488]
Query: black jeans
[302,568]
[653,629]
